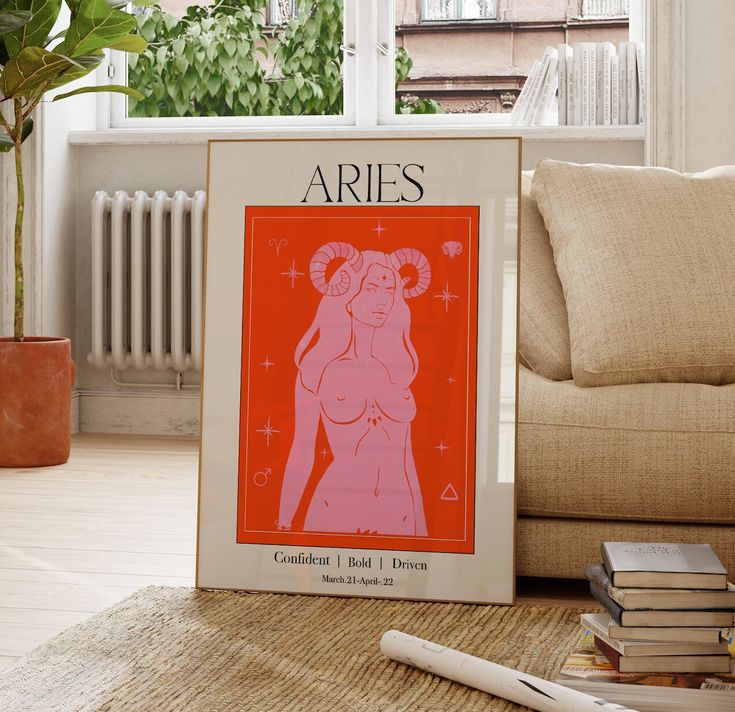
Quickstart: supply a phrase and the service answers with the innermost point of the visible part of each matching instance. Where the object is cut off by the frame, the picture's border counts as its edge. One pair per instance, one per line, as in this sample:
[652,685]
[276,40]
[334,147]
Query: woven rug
[182,650]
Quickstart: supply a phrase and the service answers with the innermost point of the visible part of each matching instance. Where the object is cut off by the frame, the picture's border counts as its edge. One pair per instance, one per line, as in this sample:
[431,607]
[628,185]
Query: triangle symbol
[450,494]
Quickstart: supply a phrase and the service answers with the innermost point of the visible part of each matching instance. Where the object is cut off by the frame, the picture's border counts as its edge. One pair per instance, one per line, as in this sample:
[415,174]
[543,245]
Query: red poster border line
[369,542]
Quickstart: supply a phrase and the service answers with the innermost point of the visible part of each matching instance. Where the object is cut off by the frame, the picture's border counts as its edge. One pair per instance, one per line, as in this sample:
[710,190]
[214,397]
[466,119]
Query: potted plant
[36,57]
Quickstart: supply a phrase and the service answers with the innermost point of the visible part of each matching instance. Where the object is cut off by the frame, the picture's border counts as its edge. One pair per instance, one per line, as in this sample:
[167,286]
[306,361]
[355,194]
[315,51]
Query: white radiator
[147,268]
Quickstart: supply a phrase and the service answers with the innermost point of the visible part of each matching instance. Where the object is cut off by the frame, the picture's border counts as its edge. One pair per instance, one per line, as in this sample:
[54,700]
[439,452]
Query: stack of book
[598,84]
[669,608]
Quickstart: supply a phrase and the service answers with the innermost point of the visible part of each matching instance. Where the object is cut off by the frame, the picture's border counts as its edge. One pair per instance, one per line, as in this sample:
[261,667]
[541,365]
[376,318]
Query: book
[626,647]
[636,565]
[608,51]
[565,52]
[534,96]
[599,85]
[607,628]
[661,598]
[570,86]
[623,83]
[615,90]
[577,89]
[641,64]
[664,663]
[522,101]
[589,93]
[666,619]
[632,83]
[547,93]
[655,647]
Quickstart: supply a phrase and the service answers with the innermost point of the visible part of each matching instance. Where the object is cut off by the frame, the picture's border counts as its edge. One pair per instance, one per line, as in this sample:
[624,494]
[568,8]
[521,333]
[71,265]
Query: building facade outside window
[448,10]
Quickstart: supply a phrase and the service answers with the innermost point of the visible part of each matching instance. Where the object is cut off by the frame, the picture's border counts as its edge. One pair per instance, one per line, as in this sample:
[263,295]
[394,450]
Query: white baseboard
[139,413]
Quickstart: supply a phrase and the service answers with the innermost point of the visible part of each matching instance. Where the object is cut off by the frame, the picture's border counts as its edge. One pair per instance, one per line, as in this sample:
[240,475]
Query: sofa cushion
[543,326]
[646,452]
[646,257]
[561,548]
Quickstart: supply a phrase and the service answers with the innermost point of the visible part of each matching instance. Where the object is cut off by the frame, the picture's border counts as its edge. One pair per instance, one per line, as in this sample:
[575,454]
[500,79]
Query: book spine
[599,84]
[562,79]
[641,64]
[609,652]
[586,56]
[632,84]
[623,54]
[570,86]
[596,574]
[612,608]
[547,95]
[577,83]
[607,50]
[615,90]
[593,84]
[522,100]
[530,109]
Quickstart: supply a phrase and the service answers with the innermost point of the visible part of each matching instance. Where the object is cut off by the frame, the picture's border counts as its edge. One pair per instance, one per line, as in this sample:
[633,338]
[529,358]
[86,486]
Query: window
[448,10]
[348,62]
[281,11]
[605,8]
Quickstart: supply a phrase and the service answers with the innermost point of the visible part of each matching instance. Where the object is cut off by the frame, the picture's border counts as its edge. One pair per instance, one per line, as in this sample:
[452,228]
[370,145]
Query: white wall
[710,84]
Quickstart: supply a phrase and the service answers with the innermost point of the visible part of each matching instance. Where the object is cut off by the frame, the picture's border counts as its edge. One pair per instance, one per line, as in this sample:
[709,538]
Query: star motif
[292,273]
[380,229]
[268,431]
[267,363]
[451,379]
[441,447]
[446,296]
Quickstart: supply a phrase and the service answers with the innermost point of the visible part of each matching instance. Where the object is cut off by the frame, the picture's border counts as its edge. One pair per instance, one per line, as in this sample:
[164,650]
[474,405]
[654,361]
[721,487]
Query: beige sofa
[641,462]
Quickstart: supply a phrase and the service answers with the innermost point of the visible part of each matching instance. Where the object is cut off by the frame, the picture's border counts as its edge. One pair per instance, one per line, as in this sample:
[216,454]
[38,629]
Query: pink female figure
[356,363]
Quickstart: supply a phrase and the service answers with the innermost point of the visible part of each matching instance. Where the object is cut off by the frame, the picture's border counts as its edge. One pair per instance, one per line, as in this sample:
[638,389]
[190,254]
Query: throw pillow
[646,257]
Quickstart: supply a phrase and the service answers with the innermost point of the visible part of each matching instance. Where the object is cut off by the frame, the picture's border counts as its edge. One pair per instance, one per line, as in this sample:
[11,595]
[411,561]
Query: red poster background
[279,304]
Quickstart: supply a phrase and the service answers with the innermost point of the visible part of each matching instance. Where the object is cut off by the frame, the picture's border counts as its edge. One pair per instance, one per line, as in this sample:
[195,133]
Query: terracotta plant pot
[36,378]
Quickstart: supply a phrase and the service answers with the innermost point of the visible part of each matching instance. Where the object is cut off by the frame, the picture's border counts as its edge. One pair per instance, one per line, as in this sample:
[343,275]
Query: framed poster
[360,376]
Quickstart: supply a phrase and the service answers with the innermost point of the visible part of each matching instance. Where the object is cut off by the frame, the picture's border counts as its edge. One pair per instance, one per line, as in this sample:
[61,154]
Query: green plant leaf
[6,143]
[130,43]
[31,70]
[118,88]
[95,26]
[83,66]
[12,20]
[34,32]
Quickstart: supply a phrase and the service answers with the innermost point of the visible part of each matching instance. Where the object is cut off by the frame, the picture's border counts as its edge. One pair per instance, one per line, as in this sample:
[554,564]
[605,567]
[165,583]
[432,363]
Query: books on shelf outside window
[598,84]
[540,87]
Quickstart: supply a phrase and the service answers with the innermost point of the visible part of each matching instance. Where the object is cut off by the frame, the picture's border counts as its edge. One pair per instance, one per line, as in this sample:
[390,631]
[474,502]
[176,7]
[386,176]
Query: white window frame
[369,85]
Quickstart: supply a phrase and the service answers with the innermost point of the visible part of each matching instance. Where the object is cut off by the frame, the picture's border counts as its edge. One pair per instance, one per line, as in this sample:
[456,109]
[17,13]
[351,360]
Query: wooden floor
[120,515]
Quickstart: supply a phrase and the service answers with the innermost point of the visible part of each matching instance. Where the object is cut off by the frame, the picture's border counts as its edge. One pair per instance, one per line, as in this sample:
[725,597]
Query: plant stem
[20,206]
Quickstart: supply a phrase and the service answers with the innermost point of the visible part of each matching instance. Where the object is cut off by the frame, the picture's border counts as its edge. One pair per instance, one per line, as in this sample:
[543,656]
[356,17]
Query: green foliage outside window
[223,60]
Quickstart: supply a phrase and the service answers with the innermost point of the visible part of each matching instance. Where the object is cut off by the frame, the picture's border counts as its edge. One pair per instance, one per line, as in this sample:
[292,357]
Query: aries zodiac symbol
[452,248]
[277,244]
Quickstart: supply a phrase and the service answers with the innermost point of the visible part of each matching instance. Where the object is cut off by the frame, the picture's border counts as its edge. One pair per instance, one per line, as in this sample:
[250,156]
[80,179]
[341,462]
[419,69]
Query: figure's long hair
[330,333]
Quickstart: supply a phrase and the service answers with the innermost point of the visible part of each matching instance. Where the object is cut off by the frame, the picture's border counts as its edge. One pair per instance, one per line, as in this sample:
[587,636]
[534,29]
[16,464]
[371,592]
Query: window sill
[195,136]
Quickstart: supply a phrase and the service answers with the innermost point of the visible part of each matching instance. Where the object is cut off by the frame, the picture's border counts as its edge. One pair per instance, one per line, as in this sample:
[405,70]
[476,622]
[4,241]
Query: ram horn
[411,256]
[322,259]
